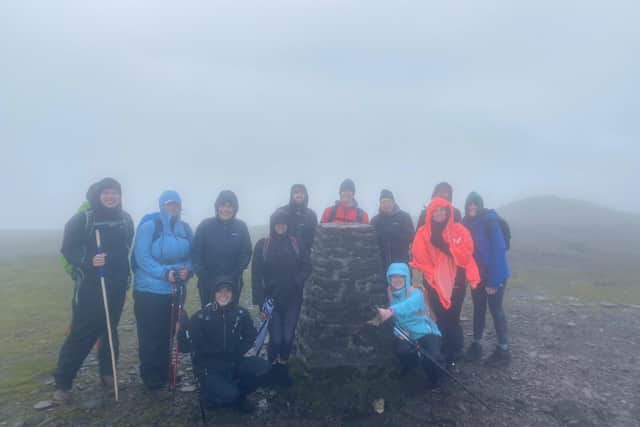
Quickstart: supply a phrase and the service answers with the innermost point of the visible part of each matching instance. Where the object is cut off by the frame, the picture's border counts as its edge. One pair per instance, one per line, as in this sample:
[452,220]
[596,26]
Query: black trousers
[224,383]
[448,320]
[409,359]
[153,318]
[282,329]
[88,324]
[495,302]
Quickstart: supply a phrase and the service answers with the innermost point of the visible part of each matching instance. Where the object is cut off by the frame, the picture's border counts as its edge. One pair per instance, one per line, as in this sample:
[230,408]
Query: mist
[511,100]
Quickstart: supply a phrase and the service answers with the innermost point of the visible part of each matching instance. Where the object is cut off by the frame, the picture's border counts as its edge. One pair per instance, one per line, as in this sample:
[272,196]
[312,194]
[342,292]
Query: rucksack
[334,210]
[157,232]
[506,232]
[294,244]
[90,227]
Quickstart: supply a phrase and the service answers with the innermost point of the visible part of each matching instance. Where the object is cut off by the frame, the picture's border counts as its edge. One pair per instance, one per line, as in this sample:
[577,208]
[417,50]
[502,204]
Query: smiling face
[440,215]
[346,197]
[172,209]
[386,206]
[226,211]
[397,282]
[110,198]
[298,196]
[223,296]
[281,229]
[472,209]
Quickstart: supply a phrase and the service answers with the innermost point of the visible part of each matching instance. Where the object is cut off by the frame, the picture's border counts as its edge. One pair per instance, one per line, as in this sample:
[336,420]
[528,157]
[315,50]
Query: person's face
[397,282]
[110,198]
[472,209]
[281,228]
[386,205]
[443,194]
[440,215]
[298,196]
[346,197]
[226,211]
[172,209]
[223,296]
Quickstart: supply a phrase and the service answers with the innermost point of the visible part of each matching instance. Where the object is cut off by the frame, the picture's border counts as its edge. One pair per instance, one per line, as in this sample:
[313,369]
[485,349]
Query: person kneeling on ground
[410,314]
[221,333]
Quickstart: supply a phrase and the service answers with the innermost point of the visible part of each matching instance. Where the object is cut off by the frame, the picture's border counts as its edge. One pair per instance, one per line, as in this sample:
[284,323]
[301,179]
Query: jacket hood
[296,187]
[399,269]
[227,196]
[166,197]
[278,217]
[94,191]
[437,203]
[475,198]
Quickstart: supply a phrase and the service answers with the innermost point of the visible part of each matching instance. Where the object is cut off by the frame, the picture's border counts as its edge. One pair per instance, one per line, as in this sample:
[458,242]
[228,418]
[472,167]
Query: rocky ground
[573,364]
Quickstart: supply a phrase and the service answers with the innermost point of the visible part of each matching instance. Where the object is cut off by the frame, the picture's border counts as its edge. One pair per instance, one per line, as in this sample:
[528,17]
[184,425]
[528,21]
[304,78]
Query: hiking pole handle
[107,318]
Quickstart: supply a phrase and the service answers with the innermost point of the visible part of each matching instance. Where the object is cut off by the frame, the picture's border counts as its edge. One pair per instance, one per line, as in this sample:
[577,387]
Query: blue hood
[399,269]
[168,196]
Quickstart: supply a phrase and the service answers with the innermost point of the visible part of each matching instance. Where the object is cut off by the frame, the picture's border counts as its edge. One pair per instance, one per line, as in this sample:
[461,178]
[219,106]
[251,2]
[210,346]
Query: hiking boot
[61,397]
[474,352]
[500,358]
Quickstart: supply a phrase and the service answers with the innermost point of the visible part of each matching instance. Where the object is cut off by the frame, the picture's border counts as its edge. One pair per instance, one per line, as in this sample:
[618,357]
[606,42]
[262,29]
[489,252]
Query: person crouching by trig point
[221,333]
[346,209]
[417,339]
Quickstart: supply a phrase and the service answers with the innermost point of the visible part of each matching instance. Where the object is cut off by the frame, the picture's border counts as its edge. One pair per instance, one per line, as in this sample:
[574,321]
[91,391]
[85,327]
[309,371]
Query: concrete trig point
[346,285]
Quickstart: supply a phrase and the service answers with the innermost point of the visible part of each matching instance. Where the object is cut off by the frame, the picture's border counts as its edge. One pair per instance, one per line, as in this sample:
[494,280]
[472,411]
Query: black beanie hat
[224,282]
[348,185]
[475,198]
[387,194]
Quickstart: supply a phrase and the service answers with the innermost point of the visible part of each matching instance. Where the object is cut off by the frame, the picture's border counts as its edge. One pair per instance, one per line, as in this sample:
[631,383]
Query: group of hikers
[163,253]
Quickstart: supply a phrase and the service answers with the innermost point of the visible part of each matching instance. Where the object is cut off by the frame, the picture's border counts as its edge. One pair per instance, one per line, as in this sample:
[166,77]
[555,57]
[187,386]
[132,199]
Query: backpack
[90,227]
[294,244]
[334,211]
[157,232]
[506,232]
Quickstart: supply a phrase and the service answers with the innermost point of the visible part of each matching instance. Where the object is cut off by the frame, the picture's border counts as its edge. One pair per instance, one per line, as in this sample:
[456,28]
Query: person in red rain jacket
[440,248]
[346,209]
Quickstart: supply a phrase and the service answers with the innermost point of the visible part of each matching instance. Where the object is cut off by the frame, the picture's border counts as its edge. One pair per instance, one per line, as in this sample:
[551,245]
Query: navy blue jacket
[220,248]
[395,234]
[489,248]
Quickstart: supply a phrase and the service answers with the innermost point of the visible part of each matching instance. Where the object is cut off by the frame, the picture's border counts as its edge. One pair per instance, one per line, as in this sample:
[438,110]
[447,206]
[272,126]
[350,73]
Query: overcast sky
[508,98]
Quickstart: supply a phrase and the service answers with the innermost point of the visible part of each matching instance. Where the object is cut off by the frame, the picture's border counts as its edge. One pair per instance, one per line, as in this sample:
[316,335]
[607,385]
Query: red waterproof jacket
[344,214]
[438,268]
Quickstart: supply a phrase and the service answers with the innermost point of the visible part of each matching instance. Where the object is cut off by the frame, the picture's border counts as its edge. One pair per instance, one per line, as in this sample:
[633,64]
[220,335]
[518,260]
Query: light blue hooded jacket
[409,308]
[170,251]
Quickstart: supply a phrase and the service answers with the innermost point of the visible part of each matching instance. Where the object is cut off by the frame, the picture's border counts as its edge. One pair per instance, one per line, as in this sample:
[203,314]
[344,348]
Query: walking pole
[404,335]
[108,318]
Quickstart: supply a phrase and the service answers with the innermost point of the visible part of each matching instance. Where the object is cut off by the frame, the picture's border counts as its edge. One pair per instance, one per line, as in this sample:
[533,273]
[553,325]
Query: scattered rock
[571,324]
[44,404]
[90,404]
[608,305]
[188,388]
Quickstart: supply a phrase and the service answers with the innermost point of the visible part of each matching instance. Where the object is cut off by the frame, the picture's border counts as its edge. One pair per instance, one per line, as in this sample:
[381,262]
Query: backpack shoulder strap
[359,215]
[265,247]
[295,245]
[157,228]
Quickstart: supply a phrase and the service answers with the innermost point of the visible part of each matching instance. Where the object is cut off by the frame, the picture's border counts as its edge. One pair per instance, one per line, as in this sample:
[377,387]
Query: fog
[505,98]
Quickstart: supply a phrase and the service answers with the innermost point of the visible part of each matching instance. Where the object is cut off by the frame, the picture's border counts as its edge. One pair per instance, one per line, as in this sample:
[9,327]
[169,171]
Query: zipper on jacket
[224,332]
